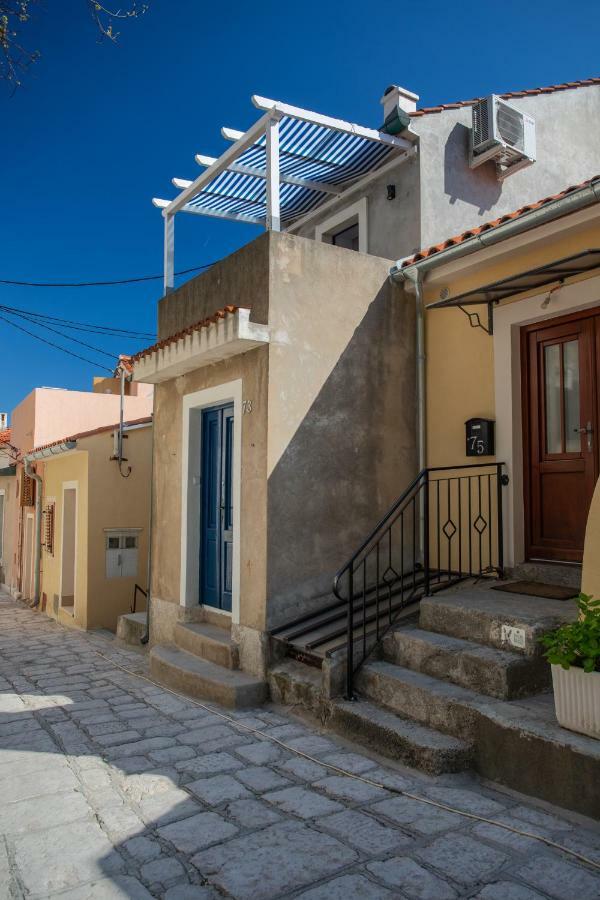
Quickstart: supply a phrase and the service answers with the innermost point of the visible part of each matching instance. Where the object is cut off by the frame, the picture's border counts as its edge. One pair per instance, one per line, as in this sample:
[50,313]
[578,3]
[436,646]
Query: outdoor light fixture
[391,191]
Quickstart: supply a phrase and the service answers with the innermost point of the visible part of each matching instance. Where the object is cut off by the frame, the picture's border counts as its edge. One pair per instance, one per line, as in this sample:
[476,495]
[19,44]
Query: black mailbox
[480,437]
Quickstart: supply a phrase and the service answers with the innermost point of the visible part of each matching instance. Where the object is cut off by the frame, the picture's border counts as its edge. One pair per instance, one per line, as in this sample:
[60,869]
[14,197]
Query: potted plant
[574,653]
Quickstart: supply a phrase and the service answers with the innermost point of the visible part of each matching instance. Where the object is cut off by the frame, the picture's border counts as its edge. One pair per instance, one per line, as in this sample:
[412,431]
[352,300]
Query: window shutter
[27,491]
[48,528]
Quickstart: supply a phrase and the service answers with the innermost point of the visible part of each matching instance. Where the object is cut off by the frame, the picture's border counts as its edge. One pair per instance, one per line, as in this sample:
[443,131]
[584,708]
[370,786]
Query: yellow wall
[105,500]
[460,359]
[66,467]
[116,502]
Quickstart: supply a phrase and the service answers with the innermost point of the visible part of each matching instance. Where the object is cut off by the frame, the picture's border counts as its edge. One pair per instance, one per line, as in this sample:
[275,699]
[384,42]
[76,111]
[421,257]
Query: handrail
[135,593]
[394,508]
[434,520]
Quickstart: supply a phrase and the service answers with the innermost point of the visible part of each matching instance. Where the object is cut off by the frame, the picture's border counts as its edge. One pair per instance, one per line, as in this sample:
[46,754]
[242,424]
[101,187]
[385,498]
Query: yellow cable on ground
[340,771]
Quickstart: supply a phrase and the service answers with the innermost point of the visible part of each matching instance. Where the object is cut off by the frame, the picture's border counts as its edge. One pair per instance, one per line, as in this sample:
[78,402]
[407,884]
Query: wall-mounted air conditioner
[503,134]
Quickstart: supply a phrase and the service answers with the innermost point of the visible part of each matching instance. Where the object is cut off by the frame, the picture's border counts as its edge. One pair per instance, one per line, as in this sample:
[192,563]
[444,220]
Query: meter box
[480,437]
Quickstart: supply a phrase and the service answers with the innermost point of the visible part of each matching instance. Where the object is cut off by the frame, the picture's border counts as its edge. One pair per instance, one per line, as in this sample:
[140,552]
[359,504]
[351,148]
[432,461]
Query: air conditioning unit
[503,134]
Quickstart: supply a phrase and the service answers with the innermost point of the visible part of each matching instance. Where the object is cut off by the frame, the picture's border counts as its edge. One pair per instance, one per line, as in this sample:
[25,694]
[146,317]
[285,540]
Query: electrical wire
[79,326]
[341,771]
[67,337]
[81,284]
[56,346]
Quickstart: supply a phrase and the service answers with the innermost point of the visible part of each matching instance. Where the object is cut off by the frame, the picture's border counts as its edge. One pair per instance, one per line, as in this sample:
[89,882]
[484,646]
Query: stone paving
[111,787]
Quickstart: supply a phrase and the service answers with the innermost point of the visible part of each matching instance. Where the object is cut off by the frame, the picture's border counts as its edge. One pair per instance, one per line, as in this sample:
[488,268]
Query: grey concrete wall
[240,279]
[341,412]
[438,195]
[455,198]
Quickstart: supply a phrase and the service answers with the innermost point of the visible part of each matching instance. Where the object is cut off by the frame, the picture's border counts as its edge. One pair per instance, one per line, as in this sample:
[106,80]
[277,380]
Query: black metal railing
[446,526]
[137,589]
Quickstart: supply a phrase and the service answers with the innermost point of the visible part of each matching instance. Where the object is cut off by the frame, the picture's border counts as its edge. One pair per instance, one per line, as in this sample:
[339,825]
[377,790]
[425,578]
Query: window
[48,527]
[346,228]
[347,237]
[122,552]
[27,491]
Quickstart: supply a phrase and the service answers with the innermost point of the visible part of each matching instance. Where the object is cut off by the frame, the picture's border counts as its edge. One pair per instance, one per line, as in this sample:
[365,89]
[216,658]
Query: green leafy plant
[577,643]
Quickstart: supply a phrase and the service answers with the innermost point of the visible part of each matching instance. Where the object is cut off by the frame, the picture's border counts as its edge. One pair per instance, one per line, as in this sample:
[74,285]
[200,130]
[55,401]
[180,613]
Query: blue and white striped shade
[313,152]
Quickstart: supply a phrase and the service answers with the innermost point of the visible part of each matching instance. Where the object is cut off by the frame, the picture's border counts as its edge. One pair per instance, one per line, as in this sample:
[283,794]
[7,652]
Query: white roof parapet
[199,346]
[285,166]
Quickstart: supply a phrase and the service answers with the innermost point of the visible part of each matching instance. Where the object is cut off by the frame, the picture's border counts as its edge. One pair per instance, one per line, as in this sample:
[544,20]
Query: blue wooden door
[216,545]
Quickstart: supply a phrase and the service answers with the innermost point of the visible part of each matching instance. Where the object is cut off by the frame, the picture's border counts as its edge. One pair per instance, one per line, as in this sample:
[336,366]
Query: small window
[122,554]
[347,237]
[48,517]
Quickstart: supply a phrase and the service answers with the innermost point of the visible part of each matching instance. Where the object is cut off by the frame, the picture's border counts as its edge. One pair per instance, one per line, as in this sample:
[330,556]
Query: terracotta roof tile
[487,226]
[509,95]
[203,323]
[83,434]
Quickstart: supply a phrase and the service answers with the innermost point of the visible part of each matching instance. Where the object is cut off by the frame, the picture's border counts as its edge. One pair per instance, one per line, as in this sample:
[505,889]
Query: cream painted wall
[116,502]
[66,468]
[252,369]
[471,374]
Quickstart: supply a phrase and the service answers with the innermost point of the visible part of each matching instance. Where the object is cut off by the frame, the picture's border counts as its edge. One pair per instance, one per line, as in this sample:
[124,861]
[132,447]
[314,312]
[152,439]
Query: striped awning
[306,151]
[316,157]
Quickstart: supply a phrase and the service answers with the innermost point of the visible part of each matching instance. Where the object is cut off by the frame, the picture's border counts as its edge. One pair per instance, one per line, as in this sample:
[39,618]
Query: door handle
[586,430]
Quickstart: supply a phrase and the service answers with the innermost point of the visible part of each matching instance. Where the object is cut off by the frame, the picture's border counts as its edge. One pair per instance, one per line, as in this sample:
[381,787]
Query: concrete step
[209,642]
[549,573]
[518,743]
[131,627]
[197,677]
[497,673]
[294,683]
[506,621]
[401,739]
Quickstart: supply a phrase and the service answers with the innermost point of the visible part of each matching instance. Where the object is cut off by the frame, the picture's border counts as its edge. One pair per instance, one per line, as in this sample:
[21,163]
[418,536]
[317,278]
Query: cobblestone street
[112,787]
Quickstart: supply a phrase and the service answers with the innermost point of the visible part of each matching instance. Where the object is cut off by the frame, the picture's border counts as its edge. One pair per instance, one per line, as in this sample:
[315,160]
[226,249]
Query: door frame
[191,472]
[527,382]
[68,486]
[28,551]
[578,297]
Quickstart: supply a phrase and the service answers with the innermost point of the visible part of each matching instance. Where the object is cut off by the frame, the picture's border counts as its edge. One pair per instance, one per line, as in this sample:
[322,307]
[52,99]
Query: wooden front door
[560,434]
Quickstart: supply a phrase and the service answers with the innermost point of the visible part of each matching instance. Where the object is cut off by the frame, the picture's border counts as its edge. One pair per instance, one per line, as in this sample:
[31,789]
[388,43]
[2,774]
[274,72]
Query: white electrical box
[122,546]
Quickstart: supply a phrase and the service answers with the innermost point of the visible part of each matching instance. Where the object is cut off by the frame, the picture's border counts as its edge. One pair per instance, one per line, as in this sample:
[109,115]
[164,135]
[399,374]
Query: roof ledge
[200,346]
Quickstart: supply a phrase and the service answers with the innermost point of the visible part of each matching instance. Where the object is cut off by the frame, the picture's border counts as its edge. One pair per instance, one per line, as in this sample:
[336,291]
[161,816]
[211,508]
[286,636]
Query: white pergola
[290,162]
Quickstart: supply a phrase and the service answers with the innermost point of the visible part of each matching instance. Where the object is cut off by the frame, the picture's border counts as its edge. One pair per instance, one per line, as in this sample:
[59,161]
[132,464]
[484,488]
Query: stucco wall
[341,411]
[48,414]
[68,467]
[252,369]
[241,279]
[116,502]
[438,195]
[590,576]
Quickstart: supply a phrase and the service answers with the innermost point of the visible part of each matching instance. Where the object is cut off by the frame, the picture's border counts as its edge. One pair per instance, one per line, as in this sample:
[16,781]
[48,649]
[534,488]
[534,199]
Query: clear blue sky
[99,129]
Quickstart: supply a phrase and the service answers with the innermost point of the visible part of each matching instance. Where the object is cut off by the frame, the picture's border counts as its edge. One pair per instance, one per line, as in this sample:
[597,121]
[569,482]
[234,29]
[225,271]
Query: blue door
[216,545]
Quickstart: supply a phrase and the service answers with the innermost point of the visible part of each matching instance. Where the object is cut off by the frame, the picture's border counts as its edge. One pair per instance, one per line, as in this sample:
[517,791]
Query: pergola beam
[240,169]
[305,115]
[247,139]
[214,213]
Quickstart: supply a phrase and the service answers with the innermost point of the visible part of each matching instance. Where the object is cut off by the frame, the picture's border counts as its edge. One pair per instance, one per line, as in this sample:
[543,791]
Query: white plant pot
[577,699]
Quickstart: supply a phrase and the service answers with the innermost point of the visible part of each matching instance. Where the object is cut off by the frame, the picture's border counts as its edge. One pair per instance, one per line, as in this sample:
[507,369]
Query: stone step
[401,739]
[131,627]
[506,621]
[197,677]
[294,683]
[209,642]
[497,673]
[518,743]
[549,573]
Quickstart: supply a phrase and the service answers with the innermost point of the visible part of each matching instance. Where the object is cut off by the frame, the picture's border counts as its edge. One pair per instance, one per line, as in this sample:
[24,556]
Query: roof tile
[487,226]
[203,323]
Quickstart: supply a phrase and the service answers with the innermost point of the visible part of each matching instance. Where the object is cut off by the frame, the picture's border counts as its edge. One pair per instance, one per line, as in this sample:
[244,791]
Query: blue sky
[98,129]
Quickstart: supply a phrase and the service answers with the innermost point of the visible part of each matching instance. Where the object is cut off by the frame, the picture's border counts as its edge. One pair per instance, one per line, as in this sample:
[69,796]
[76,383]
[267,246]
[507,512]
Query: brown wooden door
[560,434]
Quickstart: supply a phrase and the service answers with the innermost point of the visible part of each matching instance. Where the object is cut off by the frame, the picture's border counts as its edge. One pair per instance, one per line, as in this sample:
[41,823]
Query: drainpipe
[415,284]
[38,529]
[146,637]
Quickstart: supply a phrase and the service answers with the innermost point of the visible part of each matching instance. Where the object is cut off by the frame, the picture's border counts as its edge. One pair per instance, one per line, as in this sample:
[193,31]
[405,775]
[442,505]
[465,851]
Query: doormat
[537,589]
